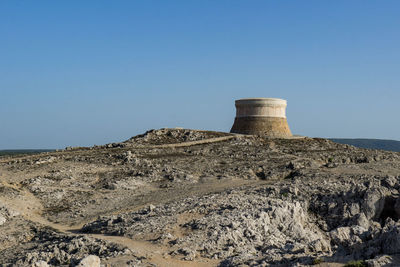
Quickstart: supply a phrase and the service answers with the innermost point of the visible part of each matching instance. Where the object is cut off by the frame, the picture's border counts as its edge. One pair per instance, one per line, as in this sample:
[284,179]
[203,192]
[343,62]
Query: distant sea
[390,145]
[12,152]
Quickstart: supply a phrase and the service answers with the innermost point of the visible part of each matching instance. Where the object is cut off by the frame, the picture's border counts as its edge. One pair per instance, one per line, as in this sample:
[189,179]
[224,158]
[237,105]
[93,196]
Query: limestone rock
[202,196]
[373,203]
[90,261]
[40,264]
[2,220]
[381,261]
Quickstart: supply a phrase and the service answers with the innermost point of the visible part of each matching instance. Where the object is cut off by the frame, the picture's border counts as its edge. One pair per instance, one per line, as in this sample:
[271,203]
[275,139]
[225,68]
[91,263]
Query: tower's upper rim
[261,100]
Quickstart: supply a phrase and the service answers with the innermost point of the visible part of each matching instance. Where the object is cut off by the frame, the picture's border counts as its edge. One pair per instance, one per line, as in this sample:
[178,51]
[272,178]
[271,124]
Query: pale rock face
[2,220]
[6,213]
[380,261]
[373,203]
[40,264]
[90,261]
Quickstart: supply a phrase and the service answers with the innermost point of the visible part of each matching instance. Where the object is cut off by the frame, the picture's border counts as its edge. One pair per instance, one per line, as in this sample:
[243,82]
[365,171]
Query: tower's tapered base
[266,126]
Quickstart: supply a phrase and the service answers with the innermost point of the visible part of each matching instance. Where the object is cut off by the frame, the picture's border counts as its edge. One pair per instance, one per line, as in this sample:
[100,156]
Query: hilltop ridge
[180,197]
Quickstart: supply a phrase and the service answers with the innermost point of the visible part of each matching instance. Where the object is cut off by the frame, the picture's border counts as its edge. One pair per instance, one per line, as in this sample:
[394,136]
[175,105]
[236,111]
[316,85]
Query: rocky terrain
[177,197]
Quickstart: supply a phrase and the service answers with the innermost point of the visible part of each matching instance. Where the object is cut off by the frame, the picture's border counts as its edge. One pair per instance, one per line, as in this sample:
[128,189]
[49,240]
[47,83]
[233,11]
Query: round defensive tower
[261,116]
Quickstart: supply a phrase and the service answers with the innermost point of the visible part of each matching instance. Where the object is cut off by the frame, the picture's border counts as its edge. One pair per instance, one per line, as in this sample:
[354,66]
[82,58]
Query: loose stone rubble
[164,199]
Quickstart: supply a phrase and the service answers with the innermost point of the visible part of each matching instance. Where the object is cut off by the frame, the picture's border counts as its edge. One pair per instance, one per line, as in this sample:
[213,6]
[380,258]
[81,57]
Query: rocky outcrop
[240,200]
[90,261]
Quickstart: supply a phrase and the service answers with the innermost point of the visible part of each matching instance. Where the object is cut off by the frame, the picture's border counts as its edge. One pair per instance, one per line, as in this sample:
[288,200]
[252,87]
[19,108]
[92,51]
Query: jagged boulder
[90,261]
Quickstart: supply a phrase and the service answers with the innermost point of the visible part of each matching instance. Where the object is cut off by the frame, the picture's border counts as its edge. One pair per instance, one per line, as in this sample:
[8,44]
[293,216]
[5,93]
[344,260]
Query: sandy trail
[155,254]
[31,208]
[194,143]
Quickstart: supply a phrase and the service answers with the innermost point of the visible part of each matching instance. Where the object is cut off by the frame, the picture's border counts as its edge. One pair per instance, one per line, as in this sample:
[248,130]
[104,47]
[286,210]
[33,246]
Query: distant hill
[11,152]
[391,145]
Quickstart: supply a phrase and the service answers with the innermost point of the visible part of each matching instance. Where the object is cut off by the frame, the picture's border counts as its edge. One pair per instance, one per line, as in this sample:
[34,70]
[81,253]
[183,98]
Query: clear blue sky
[78,73]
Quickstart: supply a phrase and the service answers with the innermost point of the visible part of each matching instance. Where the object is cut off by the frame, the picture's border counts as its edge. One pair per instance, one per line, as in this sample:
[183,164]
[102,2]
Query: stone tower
[261,116]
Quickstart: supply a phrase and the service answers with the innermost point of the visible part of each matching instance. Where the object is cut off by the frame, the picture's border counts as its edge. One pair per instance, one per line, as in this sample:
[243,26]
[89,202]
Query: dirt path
[194,143]
[31,208]
[155,254]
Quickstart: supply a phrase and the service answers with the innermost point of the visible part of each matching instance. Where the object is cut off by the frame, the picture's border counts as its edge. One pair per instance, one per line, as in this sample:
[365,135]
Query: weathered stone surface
[2,220]
[90,261]
[373,203]
[171,196]
[40,264]
[268,126]
[261,116]
[381,261]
